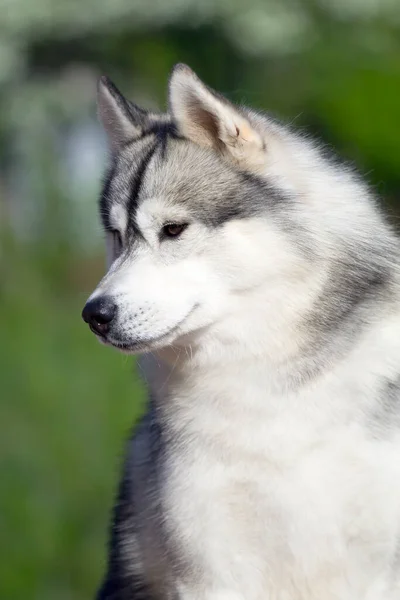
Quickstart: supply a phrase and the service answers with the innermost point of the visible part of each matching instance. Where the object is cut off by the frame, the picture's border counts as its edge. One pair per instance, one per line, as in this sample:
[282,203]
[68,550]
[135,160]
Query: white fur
[286,495]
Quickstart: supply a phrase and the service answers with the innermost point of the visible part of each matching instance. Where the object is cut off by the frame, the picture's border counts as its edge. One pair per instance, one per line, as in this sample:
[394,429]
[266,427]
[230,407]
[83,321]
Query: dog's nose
[99,313]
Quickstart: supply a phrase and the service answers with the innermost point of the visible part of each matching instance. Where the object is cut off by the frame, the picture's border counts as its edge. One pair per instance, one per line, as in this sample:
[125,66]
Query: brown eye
[173,230]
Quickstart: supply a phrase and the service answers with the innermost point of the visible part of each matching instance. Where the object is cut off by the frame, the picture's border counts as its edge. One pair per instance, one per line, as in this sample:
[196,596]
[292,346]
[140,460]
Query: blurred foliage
[66,410]
[330,67]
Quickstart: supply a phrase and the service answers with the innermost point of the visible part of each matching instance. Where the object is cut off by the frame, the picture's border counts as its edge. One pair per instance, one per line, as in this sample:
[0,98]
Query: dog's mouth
[144,344]
[137,346]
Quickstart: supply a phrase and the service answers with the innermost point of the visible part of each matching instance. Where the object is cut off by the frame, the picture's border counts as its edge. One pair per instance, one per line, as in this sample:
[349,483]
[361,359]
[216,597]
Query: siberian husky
[260,282]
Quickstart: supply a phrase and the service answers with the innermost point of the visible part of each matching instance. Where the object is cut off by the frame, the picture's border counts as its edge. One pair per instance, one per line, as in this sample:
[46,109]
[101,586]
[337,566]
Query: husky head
[201,212]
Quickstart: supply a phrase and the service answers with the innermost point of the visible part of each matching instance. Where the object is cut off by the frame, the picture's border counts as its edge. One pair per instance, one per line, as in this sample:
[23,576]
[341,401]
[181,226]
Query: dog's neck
[268,337]
[200,400]
[274,336]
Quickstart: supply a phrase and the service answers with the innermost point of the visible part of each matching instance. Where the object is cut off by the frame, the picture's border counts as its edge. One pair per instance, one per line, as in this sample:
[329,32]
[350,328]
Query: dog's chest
[277,500]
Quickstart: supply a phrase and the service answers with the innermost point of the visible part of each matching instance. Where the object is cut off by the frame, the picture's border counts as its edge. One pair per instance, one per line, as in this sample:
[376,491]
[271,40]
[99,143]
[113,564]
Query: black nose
[99,313]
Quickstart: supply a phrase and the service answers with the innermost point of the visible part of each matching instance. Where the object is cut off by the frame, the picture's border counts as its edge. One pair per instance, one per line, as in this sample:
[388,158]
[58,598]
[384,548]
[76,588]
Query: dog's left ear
[210,120]
[122,120]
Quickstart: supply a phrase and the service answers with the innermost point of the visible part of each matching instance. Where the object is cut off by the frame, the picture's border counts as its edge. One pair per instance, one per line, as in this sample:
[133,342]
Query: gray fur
[386,420]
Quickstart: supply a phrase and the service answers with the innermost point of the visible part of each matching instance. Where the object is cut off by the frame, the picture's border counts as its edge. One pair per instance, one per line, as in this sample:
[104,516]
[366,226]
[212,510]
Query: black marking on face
[137,179]
[165,129]
[157,133]
[161,133]
[162,136]
[105,199]
[161,130]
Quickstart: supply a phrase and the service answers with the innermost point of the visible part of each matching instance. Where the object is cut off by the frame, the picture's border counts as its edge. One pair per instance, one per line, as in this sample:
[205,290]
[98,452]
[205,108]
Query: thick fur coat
[260,282]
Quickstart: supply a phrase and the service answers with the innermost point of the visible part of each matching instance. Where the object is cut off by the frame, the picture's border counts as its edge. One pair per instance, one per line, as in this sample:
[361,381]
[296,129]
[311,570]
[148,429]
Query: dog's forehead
[209,188]
[184,171]
[179,174]
[175,170]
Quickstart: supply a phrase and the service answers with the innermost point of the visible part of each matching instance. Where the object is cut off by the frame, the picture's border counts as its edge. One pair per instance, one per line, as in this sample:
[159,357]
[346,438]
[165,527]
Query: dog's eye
[173,230]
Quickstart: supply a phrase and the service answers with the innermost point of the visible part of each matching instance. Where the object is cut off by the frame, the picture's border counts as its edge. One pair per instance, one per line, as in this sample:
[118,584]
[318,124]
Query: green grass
[67,405]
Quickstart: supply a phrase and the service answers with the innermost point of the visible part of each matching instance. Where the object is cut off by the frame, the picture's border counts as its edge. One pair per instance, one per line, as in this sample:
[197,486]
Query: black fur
[124,578]
[105,199]
[120,582]
[137,179]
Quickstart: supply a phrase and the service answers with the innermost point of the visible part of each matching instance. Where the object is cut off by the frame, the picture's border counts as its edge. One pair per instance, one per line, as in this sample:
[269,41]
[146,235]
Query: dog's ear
[122,120]
[210,120]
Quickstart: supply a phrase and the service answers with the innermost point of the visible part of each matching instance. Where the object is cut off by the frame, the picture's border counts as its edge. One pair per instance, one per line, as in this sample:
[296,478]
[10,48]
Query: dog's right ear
[210,120]
[122,120]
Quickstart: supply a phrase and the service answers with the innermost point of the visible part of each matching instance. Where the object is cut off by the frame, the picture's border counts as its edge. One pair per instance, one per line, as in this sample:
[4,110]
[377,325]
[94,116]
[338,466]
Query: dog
[258,278]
